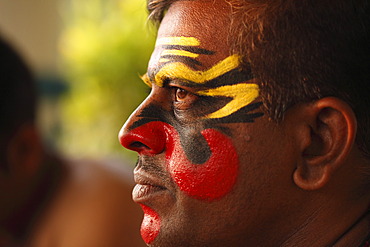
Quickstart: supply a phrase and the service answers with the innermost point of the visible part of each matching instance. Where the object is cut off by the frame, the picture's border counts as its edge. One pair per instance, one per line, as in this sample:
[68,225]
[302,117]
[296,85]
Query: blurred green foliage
[105,46]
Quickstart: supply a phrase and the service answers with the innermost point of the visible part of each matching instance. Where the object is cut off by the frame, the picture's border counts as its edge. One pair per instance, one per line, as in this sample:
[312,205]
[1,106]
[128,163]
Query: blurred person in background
[47,201]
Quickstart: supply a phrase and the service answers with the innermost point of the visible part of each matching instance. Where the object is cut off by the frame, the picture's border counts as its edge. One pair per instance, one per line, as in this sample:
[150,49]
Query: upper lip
[148,189]
[153,186]
[144,178]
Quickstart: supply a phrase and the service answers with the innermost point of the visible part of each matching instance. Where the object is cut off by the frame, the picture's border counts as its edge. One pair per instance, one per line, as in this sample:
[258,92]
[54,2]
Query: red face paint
[210,180]
[151,224]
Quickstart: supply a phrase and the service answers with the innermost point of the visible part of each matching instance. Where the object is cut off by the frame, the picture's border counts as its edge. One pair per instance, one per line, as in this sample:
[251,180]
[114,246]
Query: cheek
[210,180]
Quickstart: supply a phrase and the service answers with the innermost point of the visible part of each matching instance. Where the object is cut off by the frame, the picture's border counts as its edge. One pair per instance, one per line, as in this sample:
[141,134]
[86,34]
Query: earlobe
[25,150]
[331,125]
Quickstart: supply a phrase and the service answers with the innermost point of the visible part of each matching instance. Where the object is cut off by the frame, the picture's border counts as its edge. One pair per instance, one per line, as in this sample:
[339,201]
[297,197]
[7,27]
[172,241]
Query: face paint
[212,175]
[208,181]
[181,71]
[183,41]
[202,161]
[179,53]
[241,94]
[151,224]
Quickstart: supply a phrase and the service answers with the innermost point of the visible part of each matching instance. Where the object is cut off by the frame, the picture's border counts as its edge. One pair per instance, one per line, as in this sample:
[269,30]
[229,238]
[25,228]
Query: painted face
[197,134]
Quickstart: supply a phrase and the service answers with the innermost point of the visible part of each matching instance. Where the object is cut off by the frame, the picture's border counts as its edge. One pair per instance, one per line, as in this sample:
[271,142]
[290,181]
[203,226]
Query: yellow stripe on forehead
[243,94]
[164,60]
[178,70]
[179,53]
[185,41]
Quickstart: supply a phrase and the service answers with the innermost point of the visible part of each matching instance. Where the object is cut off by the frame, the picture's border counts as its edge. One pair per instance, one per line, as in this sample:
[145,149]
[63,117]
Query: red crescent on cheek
[151,224]
[210,180]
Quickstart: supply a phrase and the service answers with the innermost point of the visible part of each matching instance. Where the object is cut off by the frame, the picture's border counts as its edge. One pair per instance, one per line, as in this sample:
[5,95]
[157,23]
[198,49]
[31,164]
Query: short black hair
[305,50]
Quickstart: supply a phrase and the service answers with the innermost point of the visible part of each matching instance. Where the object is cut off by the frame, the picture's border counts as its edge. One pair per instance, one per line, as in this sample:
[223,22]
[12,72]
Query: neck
[358,234]
[18,225]
[334,226]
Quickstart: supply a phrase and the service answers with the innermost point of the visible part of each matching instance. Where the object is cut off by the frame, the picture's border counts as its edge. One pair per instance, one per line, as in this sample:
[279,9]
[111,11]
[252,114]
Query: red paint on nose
[147,139]
[151,224]
[208,181]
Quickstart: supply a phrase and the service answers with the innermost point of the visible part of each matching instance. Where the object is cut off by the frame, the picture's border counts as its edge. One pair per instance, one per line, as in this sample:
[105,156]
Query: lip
[147,188]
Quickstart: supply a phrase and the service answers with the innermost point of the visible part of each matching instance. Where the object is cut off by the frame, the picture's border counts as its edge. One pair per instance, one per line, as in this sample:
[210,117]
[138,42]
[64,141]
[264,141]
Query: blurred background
[87,56]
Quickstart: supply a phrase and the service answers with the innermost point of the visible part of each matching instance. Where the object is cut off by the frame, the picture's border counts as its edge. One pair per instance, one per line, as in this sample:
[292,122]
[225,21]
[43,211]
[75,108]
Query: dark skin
[292,180]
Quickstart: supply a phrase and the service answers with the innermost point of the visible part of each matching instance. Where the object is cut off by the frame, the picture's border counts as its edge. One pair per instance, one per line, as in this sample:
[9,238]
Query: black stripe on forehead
[234,76]
[192,49]
[191,62]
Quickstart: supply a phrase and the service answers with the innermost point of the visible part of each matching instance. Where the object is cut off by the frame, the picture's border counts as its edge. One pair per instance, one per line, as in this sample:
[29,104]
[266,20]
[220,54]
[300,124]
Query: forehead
[208,21]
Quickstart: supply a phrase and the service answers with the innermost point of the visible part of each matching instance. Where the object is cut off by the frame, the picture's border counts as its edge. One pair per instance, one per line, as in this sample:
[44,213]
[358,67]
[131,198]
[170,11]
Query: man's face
[210,169]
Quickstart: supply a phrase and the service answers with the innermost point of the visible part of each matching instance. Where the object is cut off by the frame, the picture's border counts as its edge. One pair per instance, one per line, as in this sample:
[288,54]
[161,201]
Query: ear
[24,153]
[327,140]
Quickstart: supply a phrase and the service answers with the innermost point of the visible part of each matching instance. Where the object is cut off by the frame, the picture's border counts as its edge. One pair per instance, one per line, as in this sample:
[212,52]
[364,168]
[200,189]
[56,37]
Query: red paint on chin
[211,180]
[151,224]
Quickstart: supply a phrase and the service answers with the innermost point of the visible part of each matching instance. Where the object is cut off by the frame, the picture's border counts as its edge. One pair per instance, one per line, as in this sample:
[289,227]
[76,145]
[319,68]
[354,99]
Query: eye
[183,99]
[181,94]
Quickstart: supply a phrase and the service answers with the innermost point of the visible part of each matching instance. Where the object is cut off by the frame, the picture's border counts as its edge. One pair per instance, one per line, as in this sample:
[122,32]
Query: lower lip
[145,192]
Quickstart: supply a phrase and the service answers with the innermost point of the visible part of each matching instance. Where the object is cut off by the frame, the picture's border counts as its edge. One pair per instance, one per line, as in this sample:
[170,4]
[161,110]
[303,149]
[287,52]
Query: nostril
[133,142]
[137,145]
[140,147]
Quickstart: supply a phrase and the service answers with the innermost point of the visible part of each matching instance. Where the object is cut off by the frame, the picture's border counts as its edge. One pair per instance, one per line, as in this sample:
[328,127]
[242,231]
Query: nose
[146,139]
